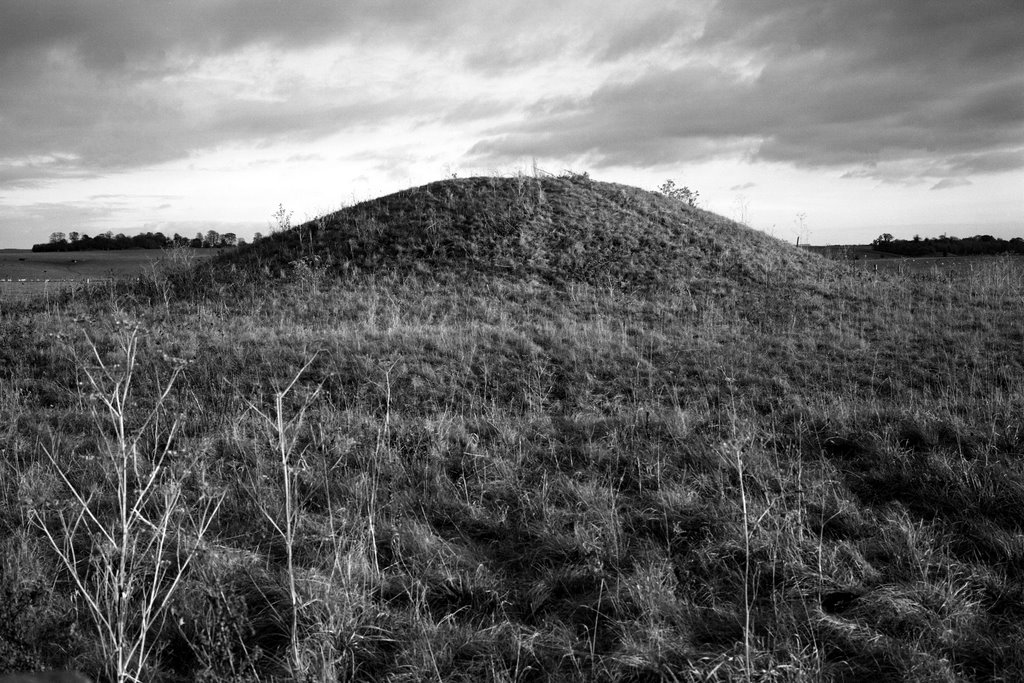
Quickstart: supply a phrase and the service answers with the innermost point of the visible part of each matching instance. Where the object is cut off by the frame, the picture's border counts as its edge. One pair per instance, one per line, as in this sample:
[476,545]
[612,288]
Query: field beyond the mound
[82,265]
[26,275]
[518,429]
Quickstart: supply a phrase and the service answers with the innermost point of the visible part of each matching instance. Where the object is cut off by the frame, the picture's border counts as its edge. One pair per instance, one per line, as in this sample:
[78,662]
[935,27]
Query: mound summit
[554,229]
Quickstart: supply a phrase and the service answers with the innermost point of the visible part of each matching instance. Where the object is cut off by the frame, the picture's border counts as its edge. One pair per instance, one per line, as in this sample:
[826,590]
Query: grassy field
[29,290]
[516,430]
[26,275]
[74,265]
[18,264]
[864,257]
[938,264]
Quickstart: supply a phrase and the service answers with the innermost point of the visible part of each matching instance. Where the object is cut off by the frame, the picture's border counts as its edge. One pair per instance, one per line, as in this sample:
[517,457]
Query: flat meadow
[27,275]
[379,461]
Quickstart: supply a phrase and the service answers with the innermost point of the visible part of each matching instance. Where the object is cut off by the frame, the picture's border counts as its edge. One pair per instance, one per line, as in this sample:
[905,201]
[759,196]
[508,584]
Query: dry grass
[494,474]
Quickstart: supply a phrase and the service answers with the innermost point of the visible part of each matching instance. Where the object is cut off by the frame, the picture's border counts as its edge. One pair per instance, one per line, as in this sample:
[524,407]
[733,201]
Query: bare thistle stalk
[284,434]
[137,559]
[738,461]
[746,565]
[383,438]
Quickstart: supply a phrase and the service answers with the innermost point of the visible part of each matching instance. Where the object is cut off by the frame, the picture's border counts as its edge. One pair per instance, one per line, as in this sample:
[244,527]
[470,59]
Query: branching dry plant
[283,433]
[130,537]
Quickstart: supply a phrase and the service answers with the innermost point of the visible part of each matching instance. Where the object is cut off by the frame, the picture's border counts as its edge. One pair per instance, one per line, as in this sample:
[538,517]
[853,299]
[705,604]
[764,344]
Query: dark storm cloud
[641,33]
[933,85]
[499,37]
[111,34]
[102,86]
[91,86]
[89,137]
[931,89]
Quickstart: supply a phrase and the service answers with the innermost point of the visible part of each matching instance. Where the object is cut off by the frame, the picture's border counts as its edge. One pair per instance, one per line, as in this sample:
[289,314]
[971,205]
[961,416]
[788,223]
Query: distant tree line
[74,241]
[948,246]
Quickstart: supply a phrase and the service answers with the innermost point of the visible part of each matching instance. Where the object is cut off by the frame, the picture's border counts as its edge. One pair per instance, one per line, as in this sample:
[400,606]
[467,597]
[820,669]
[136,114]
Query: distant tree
[73,237]
[150,240]
[106,241]
[212,239]
[882,239]
[257,237]
[949,246]
[197,241]
[57,237]
[683,194]
[228,239]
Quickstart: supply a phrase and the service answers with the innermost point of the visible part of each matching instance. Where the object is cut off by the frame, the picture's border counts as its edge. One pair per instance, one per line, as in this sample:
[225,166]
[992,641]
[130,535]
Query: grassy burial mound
[502,429]
[557,230]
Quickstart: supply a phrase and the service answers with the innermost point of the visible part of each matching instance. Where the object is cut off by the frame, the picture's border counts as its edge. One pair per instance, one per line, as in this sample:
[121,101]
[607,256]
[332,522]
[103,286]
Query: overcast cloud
[929,92]
[898,90]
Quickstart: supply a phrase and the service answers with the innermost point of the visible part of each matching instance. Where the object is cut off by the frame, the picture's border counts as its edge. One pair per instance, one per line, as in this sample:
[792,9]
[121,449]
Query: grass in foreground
[504,479]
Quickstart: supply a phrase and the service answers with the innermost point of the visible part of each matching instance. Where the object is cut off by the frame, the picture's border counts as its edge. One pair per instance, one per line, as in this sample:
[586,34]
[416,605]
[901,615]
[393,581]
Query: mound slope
[564,229]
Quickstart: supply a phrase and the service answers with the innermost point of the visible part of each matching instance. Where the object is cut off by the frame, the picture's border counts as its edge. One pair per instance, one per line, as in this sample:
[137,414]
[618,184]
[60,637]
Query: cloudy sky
[860,116]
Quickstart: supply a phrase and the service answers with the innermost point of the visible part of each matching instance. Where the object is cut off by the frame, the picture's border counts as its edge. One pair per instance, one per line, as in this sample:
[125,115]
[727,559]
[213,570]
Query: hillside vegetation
[554,230]
[514,430]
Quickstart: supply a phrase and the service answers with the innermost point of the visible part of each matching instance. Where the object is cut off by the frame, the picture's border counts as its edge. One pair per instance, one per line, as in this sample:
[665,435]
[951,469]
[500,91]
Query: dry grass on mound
[558,230]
